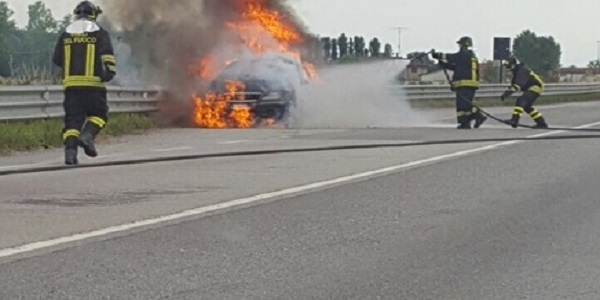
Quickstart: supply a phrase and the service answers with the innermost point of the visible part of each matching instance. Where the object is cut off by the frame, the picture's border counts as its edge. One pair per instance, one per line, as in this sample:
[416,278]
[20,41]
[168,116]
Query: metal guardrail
[40,102]
[430,92]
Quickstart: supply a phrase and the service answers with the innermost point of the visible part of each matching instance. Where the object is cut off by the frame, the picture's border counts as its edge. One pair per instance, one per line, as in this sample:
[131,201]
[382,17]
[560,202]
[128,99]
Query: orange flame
[256,22]
[205,68]
[211,111]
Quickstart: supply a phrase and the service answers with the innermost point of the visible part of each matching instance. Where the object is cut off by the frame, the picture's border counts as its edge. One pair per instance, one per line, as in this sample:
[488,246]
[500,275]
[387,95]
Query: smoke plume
[362,95]
[159,40]
[167,35]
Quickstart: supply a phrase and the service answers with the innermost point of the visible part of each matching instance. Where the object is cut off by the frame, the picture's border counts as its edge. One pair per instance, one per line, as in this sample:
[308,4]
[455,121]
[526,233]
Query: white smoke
[357,95]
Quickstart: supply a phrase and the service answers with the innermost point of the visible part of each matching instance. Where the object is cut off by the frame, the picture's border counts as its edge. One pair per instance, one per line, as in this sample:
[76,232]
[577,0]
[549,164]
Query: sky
[438,24]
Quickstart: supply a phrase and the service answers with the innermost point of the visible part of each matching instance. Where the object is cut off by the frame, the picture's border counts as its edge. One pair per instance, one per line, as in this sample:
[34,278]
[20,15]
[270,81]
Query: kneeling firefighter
[85,53]
[465,81]
[527,81]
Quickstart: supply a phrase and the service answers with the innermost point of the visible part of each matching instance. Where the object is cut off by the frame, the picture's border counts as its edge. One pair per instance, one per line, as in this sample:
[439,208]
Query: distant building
[573,74]
[435,77]
[413,72]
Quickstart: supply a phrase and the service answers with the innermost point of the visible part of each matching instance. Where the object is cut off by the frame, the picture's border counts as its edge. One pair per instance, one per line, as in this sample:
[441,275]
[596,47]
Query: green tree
[375,47]
[32,47]
[62,25]
[343,45]
[25,53]
[6,14]
[40,18]
[351,47]
[7,27]
[540,53]
[388,50]
[326,47]
[359,46]
[334,49]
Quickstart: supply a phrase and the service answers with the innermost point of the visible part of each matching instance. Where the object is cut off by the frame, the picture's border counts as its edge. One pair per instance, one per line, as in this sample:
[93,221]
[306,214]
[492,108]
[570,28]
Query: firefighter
[85,53]
[527,81]
[465,81]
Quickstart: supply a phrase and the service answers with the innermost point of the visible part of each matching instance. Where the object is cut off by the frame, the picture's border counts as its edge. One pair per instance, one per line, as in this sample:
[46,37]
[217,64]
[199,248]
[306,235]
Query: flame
[211,111]
[205,68]
[271,23]
[254,23]
[268,122]
[310,70]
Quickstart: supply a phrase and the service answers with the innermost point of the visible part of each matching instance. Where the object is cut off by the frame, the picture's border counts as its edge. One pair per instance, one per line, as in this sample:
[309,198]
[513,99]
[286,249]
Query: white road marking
[233,142]
[43,163]
[20,166]
[285,192]
[60,161]
[173,149]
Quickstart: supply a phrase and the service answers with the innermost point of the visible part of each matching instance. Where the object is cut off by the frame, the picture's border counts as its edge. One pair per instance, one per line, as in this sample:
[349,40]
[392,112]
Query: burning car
[265,86]
[254,74]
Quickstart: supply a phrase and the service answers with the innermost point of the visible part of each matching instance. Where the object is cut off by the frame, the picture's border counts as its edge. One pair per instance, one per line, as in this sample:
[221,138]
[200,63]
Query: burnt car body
[270,84]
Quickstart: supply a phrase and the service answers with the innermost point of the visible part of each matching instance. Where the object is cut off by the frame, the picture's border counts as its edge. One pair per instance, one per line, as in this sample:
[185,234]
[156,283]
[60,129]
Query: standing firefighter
[85,53]
[527,81]
[465,81]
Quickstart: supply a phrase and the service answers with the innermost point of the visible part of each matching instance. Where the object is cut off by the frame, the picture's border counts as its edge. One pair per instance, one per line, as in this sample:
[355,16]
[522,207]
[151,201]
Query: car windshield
[258,74]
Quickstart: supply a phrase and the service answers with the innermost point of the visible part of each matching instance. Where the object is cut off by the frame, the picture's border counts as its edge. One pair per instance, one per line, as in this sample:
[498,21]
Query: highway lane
[515,222]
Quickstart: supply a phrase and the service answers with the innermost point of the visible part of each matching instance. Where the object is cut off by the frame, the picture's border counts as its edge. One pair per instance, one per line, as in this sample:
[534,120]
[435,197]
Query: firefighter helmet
[86,9]
[511,63]
[465,41]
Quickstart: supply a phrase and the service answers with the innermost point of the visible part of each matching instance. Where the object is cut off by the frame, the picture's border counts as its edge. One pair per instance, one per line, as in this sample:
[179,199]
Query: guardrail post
[45,95]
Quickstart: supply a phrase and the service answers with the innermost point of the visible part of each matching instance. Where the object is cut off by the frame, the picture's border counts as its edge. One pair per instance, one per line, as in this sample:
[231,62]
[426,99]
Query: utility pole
[400,39]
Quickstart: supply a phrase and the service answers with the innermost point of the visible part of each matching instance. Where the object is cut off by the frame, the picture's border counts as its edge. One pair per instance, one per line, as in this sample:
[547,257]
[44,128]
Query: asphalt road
[189,141]
[511,220]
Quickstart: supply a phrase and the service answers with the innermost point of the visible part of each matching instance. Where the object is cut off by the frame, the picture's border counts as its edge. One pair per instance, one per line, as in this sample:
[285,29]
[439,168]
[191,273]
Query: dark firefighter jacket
[85,53]
[465,67]
[524,79]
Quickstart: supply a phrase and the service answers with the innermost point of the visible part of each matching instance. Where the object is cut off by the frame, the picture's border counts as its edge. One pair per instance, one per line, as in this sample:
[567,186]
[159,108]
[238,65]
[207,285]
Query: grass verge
[496,102]
[39,134]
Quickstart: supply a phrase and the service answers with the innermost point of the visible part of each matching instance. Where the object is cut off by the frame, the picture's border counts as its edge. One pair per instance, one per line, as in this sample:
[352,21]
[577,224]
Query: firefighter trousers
[525,103]
[86,113]
[465,111]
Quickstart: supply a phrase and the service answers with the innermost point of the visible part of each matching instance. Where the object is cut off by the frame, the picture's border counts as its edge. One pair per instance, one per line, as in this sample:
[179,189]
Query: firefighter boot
[513,122]
[87,137]
[479,119]
[464,121]
[466,125]
[540,123]
[71,151]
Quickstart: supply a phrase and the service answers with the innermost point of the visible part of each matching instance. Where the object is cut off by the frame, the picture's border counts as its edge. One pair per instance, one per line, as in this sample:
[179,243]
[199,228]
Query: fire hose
[52,168]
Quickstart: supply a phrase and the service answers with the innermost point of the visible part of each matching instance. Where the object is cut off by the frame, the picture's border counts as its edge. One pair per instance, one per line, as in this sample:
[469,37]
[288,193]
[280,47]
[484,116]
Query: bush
[38,134]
